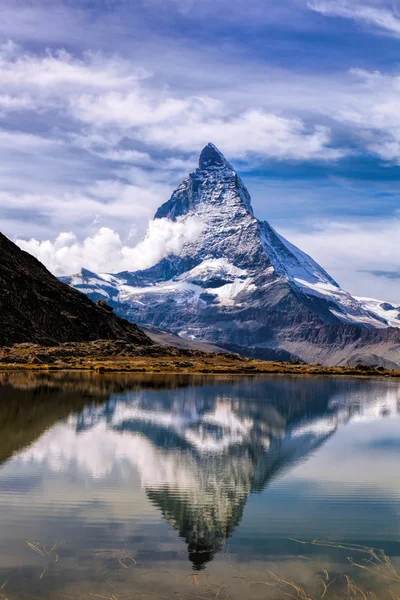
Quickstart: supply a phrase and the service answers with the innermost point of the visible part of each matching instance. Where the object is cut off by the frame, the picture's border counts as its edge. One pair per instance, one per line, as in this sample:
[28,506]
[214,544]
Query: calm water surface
[199,487]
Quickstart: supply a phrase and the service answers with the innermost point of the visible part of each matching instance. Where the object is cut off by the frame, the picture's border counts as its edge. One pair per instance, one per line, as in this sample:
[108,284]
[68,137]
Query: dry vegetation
[119,356]
[120,575]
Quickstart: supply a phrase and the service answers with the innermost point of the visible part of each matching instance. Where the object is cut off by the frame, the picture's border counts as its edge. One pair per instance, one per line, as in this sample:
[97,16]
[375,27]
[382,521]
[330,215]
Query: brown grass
[215,364]
[372,576]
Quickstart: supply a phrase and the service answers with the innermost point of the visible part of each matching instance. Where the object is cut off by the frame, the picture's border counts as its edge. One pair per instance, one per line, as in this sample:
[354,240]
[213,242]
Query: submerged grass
[372,577]
[49,554]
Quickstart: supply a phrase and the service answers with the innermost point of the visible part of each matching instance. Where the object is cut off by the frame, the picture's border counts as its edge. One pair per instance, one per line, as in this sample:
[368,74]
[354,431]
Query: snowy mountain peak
[236,281]
[215,184]
[211,157]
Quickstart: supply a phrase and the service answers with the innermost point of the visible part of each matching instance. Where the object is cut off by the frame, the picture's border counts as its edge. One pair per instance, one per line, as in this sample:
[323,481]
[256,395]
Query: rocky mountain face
[240,285]
[36,307]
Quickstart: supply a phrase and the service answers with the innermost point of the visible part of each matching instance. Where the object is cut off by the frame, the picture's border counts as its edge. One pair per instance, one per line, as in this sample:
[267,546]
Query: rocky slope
[36,307]
[240,284]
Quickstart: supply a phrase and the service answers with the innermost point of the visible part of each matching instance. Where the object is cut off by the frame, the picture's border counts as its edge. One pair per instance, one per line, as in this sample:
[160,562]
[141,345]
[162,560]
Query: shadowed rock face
[36,307]
[211,157]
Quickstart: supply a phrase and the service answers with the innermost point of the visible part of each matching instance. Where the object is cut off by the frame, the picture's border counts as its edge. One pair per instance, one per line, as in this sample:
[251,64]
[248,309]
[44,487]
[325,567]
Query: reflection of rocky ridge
[200,451]
[27,410]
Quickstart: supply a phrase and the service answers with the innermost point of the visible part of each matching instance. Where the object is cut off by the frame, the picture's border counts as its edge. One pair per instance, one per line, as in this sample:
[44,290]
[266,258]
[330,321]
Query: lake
[206,487]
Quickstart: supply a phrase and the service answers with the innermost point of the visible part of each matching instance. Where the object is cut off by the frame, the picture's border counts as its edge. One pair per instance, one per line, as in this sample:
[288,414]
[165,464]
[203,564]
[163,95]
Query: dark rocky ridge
[36,307]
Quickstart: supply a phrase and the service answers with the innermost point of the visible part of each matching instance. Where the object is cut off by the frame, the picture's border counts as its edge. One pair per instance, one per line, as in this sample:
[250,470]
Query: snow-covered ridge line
[385,310]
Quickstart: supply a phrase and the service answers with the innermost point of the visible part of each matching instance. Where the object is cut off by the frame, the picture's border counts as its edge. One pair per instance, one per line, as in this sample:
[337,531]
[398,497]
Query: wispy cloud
[113,95]
[347,248]
[371,110]
[117,111]
[52,72]
[384,19]
[255,131]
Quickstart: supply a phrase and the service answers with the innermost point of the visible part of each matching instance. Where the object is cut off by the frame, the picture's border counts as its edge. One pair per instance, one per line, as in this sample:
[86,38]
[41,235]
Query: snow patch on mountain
[384,310]
[215,267]
[289,261]
[348,309]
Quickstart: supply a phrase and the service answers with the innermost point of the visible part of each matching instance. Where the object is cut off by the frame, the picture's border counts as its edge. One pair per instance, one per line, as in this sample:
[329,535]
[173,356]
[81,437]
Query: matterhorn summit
[242,286]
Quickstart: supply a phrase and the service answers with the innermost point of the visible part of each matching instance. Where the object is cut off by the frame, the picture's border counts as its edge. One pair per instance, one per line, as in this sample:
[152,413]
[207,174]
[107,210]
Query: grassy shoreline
[118,356]
[214,366]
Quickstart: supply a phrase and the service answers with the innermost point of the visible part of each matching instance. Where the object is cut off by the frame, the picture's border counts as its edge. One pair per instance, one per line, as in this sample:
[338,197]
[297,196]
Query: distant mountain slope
[239,283]
[167,338]
[36,307]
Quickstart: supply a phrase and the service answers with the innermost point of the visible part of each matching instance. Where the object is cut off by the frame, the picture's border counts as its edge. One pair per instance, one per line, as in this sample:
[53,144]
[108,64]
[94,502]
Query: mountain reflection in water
[200,445]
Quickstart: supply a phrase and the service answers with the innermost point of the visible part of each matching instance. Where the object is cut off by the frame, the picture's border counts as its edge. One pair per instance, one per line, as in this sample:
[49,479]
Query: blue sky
[105,106]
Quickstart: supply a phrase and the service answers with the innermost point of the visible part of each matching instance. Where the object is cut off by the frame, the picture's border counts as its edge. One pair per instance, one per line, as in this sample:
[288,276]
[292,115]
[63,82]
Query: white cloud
[253,131]
[105,102]
[190,123]
[119,203]
[364,104]
[378,16]
[19,102]
[50,71]
[25,142]
[114,99]
[348,250]
[370,108]
[105,252]
[132,109]
[373,243]
[129,156]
